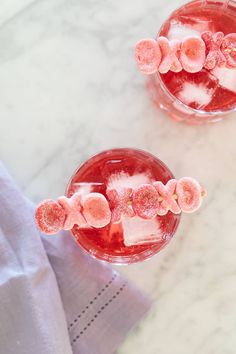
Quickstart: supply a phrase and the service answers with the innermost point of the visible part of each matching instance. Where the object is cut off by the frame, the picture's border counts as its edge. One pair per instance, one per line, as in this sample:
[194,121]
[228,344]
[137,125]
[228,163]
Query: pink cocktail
[121,206]
[209,94]
[120,168]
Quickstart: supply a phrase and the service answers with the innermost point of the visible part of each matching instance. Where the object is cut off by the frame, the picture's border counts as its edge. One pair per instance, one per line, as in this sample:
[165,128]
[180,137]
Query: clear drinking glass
[124,165]
[206,96]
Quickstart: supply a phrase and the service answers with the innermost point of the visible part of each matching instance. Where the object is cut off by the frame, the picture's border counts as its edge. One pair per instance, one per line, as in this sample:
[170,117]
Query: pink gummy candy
[145,201]
[167,193]
[148,56]
[96,210]
[192,54]
[228,48]
[189,193]
[121,203]
[169,50]
[214,55]
[175,46]
[50,216]
[72,209]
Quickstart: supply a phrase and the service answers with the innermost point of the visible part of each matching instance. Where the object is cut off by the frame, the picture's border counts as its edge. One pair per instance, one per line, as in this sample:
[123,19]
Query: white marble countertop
[69,88]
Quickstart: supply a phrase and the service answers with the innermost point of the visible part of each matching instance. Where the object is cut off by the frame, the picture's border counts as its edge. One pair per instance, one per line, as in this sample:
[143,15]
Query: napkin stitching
[106,286]
[94,318]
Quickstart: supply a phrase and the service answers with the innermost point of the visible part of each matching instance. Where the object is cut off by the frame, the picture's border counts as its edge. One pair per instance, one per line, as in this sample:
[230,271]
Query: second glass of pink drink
[122,168]
[207,95]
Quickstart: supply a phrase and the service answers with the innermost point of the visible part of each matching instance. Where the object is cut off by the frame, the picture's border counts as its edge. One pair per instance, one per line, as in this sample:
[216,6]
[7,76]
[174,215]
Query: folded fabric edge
[133,314]
[122,309]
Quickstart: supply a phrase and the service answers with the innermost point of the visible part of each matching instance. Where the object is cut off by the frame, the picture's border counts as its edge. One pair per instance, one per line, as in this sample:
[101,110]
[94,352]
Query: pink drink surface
[107,243]
[207,90]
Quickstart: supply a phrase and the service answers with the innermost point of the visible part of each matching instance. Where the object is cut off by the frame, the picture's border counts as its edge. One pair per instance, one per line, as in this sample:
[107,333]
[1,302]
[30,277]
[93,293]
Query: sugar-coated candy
[72,209]
[169,60]
[148,56]
[167,194]
[175,46]
[214,55]
[189,193]
[50,216]
[145,201]
[166,61]
[96,210]
[228,48]
[121,203]
[192,54]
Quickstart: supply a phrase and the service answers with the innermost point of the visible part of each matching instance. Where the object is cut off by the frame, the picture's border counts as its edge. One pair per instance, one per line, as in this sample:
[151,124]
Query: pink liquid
[207,92]
[107,243]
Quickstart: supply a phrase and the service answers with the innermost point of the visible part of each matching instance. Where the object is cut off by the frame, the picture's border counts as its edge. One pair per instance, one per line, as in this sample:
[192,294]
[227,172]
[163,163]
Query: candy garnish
[50,216]
[175,45]
[168,197]
[228,48]
[192,54]
[72,209]
[148,56]
[214,55]
[169,51]
[121,203]
[189,193]
[145,201]
[96,210]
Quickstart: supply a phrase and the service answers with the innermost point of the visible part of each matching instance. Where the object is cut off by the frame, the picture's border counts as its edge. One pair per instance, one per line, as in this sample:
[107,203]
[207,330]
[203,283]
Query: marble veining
[69,88]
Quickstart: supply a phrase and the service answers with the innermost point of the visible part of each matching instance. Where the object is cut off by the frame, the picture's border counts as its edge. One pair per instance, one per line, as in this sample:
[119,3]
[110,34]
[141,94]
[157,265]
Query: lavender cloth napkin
[54,298]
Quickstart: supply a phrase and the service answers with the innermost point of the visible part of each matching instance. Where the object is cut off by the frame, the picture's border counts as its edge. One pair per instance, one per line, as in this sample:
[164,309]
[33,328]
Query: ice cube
[226,77]
[84,188]
[140,231]
[192,93]
[124,180]
[179,31]
[195,90]
[188,26]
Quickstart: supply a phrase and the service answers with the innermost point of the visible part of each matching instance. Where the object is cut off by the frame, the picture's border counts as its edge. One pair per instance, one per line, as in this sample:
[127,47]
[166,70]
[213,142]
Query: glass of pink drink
[121,206]
[208,95]
[122,168]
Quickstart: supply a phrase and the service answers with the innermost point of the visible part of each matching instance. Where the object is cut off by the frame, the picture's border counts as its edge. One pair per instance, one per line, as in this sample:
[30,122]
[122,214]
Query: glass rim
[114,149]
[129,259]
[166,90]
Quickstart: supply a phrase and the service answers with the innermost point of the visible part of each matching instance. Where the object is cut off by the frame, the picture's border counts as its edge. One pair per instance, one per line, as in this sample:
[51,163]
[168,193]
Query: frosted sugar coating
[191,53]
[145,201]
